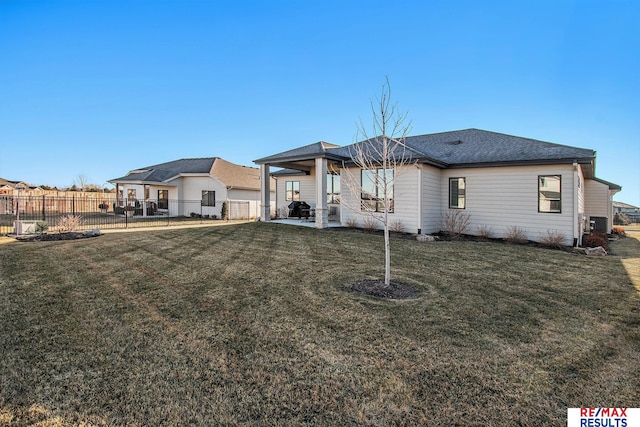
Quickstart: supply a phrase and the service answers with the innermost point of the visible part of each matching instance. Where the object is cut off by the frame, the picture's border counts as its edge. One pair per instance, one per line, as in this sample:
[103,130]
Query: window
[333,188]
[131,194]
[208,198]
[549,189]
[374,182]
[292,190]
[163,199]
[457,193]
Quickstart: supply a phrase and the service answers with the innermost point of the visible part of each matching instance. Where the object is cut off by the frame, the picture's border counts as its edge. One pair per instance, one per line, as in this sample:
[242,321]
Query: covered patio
[311,164]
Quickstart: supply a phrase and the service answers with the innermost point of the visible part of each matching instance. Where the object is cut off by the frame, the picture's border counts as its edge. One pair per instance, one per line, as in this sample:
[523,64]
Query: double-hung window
[292,190]
[457,193]
[549,193]
[333,188]
[375,183]
[208,198]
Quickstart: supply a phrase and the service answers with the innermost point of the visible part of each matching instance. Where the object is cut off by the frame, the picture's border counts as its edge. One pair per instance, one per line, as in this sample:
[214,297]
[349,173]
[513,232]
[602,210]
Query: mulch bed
[73,235]
[377,288]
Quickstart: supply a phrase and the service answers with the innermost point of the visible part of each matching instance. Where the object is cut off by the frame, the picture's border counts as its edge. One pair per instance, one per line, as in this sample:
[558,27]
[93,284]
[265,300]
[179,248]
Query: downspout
[420,195]
[576,219]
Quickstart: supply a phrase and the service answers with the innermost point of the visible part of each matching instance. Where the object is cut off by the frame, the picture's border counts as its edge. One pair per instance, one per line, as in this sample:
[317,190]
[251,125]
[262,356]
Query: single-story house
[191,186]
[500,181]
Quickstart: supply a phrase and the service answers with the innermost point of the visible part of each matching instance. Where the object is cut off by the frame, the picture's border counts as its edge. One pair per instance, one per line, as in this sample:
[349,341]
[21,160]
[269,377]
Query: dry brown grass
[254,325]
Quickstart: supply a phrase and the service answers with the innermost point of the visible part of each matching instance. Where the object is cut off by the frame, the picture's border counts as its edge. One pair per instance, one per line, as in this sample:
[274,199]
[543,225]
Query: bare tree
[81,181]
[379,161]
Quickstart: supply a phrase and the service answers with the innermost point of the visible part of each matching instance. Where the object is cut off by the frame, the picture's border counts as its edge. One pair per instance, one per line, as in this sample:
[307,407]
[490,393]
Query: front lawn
[254,324]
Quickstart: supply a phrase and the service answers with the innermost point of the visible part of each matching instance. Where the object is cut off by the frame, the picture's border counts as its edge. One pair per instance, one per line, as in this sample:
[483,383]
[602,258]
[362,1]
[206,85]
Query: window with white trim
[457,193]
[550,193]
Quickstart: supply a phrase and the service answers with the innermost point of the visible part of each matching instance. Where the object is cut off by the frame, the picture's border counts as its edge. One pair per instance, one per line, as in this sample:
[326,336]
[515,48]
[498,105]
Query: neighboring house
[500,181]
[191,186]
[633,212]
[13,187]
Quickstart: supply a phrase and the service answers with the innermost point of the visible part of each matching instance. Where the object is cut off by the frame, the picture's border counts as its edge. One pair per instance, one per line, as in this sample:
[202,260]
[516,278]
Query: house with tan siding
[499,181]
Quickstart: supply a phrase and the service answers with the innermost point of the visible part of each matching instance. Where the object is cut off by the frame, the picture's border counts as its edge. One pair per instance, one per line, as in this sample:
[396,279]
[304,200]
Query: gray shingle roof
[473,146]
[228,173]
[317,149]
[456,148]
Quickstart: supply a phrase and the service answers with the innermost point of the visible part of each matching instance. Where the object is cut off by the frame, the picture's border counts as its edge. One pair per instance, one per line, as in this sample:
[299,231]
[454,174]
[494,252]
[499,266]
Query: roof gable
[317,149]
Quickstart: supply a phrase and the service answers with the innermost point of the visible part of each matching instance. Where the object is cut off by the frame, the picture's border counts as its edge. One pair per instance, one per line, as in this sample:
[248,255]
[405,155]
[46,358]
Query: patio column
[265,193]
[322,218]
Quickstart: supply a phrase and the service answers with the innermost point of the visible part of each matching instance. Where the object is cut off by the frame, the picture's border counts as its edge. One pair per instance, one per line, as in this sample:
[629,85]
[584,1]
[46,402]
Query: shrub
[283,212]
[69,223]
[455,222]
[594,240]
[621,219]
[396,226]
[553,239]
[370,224]
[484,231]
[619,231]
[224,211]
[352,222]
[41,227]
[516,235]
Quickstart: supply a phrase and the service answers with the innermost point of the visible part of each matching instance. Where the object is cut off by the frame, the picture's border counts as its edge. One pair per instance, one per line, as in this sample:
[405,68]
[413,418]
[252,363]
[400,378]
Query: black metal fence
[38,213]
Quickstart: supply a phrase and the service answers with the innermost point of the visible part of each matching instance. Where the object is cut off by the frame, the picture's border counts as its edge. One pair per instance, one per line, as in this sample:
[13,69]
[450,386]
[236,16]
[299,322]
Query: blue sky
[97,88]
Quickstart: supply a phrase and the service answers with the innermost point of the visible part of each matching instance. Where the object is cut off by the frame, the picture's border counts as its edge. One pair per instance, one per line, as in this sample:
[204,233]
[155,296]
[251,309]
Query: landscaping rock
[597,251]
[92,233]
[425,238]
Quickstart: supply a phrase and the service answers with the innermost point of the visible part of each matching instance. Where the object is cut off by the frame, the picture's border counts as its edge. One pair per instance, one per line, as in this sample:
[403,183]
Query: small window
[374,183]
[549,194]
[163,199]
[457,193]
[292,190]
[208,198]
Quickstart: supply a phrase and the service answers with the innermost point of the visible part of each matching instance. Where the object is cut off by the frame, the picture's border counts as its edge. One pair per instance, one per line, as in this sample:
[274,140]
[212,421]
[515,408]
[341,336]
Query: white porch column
[322,217]
[265,193]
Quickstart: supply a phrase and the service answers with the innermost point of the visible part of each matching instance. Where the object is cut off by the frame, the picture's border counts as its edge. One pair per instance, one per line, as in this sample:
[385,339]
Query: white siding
[431,199]
[406,203]
[597,201]
[307,189]
[503,197]
[192,187]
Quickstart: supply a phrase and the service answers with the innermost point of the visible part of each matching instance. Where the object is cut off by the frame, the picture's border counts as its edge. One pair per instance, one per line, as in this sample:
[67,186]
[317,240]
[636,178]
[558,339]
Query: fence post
[73,205]
[44,217]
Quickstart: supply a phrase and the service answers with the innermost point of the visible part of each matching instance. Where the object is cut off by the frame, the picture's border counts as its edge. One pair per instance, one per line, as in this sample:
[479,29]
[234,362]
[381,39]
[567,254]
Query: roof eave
[521,163]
